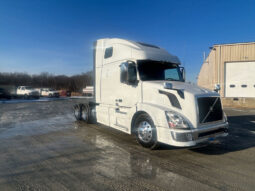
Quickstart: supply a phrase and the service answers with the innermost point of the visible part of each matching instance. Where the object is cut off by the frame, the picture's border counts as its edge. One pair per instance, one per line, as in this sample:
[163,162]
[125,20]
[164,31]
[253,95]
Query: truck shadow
[241,137]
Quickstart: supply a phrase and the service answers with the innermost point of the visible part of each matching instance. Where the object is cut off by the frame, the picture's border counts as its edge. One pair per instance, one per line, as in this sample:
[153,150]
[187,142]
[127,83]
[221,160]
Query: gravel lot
[43,148]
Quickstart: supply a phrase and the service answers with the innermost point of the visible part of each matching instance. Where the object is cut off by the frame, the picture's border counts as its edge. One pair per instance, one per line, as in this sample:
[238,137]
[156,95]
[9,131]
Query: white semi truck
[140,89]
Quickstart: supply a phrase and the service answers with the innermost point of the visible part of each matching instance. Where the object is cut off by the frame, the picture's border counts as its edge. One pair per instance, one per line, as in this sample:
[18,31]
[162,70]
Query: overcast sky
[56,36]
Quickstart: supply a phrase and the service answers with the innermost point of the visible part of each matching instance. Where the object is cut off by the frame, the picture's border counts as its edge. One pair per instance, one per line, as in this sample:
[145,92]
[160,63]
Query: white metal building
[232,66]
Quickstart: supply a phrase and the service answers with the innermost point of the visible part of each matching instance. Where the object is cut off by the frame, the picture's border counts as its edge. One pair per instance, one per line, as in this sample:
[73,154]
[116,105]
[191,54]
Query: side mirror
[123,72]
[132,73]
[128,73]
[217,87]
[183,73]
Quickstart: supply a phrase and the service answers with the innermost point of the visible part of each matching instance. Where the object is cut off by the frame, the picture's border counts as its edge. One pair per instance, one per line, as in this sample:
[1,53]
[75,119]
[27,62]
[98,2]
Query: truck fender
[157,114]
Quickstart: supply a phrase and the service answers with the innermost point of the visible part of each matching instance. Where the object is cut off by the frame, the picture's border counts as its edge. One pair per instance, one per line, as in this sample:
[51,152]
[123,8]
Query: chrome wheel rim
[76,112]
[145,131]
[84,114]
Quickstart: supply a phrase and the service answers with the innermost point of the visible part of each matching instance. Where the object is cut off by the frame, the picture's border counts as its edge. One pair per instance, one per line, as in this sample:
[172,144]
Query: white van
[140,89]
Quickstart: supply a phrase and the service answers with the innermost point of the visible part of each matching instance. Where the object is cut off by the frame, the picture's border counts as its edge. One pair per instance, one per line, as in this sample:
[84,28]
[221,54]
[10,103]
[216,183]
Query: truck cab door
[128,95]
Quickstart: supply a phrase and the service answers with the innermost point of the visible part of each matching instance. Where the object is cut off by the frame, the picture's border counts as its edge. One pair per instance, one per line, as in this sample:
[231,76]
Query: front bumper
[189,138]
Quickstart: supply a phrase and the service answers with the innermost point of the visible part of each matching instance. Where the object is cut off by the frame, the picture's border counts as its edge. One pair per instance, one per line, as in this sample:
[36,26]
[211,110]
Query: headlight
[176,121]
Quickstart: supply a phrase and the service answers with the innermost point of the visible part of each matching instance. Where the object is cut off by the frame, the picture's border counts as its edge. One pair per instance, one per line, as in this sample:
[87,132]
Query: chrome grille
[209,109]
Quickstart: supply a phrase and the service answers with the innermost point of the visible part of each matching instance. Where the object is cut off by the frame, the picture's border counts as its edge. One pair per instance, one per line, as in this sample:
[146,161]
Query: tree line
[47,80]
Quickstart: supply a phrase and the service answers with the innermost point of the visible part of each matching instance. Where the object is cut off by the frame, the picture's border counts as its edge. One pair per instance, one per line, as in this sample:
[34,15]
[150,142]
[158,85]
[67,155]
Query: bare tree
[73,83]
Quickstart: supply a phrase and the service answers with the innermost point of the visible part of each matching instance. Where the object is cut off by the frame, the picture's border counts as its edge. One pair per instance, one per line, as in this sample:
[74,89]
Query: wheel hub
[145,131]
[84,115]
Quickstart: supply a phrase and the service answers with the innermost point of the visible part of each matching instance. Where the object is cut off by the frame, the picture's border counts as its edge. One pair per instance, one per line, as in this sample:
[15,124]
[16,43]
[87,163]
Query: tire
[92,117]
[85,112]
[77,112]
[145,131]
[88,113]
[50,95]
[26,96]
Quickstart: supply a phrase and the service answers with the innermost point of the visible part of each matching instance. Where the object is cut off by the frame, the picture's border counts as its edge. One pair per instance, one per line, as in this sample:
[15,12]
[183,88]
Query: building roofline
[235,43]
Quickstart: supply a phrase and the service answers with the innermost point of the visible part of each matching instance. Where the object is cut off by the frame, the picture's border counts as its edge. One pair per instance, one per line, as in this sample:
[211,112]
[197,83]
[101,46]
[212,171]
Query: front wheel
[146,132]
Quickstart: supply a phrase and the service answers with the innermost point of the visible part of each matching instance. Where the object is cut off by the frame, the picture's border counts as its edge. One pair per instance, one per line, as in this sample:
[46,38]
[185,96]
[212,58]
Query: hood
[183,101]
[185,87]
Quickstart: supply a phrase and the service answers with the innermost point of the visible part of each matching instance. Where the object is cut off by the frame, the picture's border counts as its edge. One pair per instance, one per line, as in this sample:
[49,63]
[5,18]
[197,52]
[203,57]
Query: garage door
[240,79]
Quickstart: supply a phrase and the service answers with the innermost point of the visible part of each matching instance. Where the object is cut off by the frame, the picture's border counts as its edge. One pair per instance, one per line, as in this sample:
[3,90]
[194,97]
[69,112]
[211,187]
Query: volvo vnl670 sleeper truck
[140,89]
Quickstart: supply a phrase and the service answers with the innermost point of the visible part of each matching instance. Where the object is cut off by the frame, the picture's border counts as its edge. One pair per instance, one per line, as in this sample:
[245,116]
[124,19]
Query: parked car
[4,94]
[28,92]
[49,92]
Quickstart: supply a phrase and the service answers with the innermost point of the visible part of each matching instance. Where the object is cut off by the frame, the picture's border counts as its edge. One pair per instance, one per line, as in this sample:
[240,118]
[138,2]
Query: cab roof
[140,50]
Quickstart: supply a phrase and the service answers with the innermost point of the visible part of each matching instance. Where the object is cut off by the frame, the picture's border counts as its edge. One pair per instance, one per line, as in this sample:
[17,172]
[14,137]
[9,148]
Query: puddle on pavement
[36,127]
[118,161]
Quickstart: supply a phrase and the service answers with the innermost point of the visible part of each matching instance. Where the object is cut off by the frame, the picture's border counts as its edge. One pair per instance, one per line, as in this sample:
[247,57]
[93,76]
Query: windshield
[155,70]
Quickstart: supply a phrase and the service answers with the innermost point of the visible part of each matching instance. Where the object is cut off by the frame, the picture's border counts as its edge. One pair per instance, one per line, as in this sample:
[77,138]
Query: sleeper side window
[108,52]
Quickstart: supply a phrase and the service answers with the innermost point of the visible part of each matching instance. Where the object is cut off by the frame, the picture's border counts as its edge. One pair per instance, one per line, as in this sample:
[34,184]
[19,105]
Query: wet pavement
[43,148]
